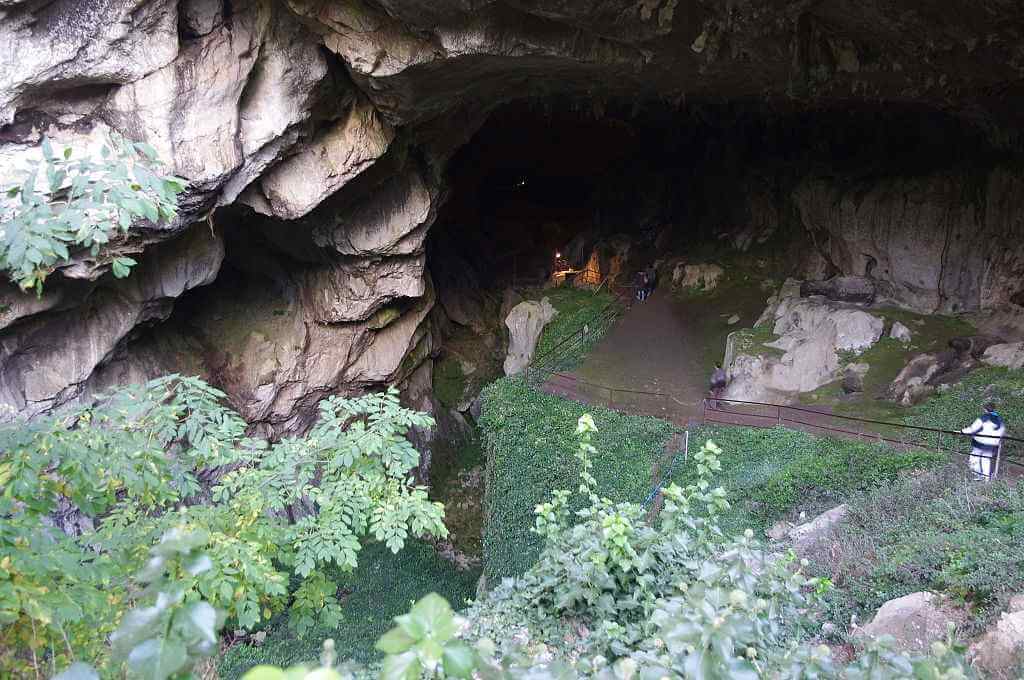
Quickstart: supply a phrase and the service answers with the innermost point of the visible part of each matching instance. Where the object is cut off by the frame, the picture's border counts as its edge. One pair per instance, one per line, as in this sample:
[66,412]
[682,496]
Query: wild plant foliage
[675,598]
[68,202]
[87,494]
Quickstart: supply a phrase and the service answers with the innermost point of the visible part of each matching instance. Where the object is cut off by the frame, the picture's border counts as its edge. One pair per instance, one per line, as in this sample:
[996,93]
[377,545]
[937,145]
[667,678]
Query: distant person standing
[986,433]
[652,279]
[641,285]
[718,383]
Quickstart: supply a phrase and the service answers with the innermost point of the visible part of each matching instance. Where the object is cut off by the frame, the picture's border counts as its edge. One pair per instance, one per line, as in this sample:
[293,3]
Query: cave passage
[546,184]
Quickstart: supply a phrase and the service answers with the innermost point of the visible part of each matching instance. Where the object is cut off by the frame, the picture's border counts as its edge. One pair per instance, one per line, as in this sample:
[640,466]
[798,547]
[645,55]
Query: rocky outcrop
[525,323]
[696,276]
[47,359]
[923,374]
[1000,652]
[914,621]
[810,334]
[1008,355]
[807,536]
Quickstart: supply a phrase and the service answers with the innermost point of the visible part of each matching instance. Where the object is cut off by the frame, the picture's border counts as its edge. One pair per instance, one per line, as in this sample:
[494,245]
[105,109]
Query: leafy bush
[380,588]
[938,531]
[672,599]
[146,459]
[83,205]
[778,472]
[527,435]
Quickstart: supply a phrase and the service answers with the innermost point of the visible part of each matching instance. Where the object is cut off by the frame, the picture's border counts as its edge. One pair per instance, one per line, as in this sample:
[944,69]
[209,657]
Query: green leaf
[404,666]
[203,617]
[67,152]
[48,150]
[459,660]
[395,641]
[157,659]
[78,671]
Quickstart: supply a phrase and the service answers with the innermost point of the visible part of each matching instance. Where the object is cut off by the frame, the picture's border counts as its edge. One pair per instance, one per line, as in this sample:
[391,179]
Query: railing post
[778,412]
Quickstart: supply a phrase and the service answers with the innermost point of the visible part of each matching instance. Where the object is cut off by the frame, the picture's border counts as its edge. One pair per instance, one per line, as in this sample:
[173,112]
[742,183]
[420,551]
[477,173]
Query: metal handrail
[837,416]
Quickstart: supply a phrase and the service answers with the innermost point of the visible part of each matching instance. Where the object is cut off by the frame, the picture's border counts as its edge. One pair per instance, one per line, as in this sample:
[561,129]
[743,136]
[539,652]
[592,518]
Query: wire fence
[897,435]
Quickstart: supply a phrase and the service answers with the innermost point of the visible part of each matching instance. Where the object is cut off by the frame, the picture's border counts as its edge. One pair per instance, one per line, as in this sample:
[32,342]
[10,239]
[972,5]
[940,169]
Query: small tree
[83,203]
[168,458]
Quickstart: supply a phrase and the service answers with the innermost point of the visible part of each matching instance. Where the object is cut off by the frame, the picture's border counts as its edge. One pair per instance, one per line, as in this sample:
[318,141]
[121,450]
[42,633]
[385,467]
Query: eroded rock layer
[316,136]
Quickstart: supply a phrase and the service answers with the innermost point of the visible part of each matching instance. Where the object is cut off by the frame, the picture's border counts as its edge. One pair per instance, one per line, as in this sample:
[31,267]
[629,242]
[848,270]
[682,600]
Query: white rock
[914,621]
[900,332]
[702,276]
[525,323]
[1010,355]
[809,534]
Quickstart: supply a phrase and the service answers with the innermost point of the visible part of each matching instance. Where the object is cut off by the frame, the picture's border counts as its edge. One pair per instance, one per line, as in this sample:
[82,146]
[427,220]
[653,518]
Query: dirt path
[665,345]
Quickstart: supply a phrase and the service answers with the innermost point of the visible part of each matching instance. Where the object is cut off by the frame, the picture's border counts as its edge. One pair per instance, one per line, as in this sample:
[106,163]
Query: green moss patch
[449,381]
[531,442]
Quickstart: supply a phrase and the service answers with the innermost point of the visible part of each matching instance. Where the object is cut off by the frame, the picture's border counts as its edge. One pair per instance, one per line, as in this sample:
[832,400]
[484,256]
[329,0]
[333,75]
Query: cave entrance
[745,194]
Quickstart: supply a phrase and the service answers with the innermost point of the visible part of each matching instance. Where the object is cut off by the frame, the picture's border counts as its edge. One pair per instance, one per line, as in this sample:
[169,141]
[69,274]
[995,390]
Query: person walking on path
[718,382]
[986,433]
[641,285]
[652,279]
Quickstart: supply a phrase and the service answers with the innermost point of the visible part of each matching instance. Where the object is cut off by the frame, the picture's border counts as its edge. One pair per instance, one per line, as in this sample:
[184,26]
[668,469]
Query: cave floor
[666,345]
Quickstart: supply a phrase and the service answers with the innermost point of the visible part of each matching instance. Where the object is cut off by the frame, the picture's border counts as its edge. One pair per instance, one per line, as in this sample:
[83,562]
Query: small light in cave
[521,183]
[557,255]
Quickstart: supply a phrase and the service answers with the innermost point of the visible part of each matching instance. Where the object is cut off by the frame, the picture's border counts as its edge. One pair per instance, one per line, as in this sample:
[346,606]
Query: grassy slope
[773,474]
[531,442]
[576,307]
[381,587]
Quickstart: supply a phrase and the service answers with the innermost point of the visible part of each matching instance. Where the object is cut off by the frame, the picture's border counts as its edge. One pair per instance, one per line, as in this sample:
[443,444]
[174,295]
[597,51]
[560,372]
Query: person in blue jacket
[986,435]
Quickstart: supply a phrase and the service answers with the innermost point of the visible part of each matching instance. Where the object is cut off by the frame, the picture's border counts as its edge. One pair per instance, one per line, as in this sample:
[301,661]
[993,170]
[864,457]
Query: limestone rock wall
[315,134]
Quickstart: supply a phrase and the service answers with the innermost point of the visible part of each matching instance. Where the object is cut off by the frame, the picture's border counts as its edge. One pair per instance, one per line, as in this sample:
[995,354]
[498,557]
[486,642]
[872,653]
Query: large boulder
[811,333]
[525,323]
[699,276]
[1009,355]
[914,621]
[856,289]
[1000,652]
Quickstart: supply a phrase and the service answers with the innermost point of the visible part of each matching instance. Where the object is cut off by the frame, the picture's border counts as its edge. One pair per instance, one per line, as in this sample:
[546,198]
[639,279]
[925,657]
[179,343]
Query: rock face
[525,323]
[811,333]
[333,124]
[914,621]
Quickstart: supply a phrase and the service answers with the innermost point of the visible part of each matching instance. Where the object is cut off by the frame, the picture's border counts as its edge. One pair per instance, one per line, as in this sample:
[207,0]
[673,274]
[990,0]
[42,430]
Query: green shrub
[166,456]
[529,441]
[381,587]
